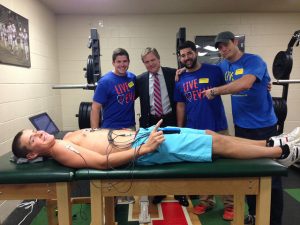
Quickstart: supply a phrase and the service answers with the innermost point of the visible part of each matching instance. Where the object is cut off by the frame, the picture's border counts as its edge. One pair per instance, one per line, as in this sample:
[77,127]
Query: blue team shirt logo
[120,99]
[122,88]
[193,89]
[125,93]
[229,76]
[188,96]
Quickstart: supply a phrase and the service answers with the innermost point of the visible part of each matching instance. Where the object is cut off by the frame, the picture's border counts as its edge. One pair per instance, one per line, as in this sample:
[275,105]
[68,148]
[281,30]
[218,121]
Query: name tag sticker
[203,80]
[131,84]
[239,71]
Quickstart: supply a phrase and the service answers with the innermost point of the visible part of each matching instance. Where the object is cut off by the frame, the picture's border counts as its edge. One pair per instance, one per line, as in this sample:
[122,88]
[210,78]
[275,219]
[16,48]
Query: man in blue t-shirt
[114,95]
[194,110]
[252,109]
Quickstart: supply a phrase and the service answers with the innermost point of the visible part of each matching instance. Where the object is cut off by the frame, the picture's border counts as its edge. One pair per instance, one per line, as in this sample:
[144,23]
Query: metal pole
[286,82]
[75,86]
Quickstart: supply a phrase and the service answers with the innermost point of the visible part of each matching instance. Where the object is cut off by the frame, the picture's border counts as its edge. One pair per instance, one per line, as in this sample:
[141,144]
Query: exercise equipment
[75,86]
[83,115]
[278,82]
[280,108]
[90,70]
[242,176]
[50,180]
[92,75]
[283,62]
[43,180]
[93,69]
[282,67]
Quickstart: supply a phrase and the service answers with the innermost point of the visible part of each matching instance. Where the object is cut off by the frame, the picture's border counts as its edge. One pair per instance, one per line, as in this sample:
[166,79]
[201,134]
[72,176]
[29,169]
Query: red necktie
[157,97]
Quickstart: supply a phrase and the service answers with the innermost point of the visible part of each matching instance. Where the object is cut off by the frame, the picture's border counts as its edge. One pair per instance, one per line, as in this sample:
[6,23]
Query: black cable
[120,145]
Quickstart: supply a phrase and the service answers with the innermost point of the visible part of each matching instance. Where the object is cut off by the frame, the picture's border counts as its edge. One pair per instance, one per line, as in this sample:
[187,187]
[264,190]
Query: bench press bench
[43,180]
[49,180]
[221,177]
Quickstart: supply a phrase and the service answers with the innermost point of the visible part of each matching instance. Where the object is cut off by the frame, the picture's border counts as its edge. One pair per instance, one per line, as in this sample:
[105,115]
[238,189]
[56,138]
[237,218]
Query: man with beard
[196,111]
[193,109]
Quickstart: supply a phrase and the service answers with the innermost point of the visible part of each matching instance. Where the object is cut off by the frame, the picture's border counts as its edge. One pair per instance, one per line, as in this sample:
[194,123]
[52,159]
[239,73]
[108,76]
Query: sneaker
[203,207]
[125,200]
[228,214]
[157,199]
[130,199]
[294,154]
[284,138]
[182,199]
[249,220]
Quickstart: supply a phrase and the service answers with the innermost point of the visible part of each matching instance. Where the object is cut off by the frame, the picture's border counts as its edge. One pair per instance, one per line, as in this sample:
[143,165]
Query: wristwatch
[212,92]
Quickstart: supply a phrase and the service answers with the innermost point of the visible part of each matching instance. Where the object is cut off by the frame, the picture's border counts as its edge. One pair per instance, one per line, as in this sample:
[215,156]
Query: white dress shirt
[163,92]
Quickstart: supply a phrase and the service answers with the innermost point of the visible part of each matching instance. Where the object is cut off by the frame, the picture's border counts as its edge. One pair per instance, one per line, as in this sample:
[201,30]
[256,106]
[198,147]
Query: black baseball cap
[223,37]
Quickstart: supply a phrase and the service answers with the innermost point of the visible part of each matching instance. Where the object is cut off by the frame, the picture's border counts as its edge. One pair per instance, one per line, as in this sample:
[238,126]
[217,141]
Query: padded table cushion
[40,172]
[218,168]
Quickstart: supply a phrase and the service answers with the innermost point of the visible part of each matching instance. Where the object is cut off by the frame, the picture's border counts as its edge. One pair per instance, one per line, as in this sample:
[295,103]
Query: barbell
[286,82]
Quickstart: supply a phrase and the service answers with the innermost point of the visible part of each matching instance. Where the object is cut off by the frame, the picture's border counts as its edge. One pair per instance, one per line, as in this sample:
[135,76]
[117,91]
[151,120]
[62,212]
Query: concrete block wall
[266,34]
[27,91]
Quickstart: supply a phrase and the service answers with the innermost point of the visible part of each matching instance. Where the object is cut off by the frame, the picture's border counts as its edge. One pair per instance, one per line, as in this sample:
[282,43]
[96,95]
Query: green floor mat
[214,216]
[80,215]
[294,192]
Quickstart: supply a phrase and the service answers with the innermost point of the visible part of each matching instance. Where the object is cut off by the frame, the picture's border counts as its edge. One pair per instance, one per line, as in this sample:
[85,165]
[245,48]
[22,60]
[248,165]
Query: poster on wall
[207,53]
[14,38]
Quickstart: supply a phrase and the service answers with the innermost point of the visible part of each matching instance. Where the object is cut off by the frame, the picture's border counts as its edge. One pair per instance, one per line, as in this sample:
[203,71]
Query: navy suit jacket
[142,91]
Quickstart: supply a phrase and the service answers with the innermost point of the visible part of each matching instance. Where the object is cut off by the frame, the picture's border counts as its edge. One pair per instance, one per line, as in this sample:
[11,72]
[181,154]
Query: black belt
[154,117]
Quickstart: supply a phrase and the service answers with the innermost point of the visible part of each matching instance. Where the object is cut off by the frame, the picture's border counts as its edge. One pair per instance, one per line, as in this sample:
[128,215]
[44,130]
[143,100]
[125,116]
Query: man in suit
[145,91]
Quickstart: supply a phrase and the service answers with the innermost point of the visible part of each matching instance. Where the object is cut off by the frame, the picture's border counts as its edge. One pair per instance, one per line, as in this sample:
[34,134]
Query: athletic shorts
[189,145]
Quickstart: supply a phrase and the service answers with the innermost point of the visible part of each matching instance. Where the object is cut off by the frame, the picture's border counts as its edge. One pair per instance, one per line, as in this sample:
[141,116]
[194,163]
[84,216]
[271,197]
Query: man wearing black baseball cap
[224,37]
[247,81]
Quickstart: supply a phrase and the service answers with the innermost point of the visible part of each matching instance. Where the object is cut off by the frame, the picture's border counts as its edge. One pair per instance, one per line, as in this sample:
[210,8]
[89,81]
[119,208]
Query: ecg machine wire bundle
[113,144]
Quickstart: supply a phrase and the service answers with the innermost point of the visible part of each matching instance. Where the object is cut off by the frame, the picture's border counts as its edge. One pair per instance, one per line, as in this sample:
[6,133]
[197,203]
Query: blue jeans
[277,192]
